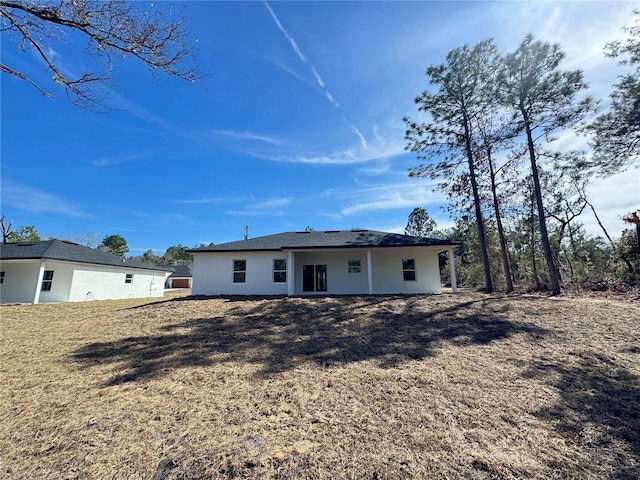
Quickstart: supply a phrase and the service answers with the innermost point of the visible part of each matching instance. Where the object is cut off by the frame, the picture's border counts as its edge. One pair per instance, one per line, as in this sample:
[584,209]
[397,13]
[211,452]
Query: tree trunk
[476,201]
[534,264]
[544,235]
[503,243]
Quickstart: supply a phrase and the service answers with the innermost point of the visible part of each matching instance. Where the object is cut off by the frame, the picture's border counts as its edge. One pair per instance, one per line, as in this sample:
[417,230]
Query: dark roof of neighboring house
[69,252]
[181,271]
[356,238]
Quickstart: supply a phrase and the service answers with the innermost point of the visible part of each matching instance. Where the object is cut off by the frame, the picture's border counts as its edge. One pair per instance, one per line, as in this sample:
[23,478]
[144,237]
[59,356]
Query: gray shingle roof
[356,238]
[181,271]
[69,252]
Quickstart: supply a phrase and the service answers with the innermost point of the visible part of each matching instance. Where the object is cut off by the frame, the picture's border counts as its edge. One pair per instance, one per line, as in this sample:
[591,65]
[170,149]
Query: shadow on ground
[280,334]
[599,410]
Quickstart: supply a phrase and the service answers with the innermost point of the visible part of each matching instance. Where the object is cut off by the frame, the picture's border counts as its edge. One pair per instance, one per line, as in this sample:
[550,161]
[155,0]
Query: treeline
[485,132]
[583,261]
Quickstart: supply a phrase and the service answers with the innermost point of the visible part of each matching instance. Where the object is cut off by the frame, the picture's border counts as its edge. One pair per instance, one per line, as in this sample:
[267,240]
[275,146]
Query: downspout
[369,272]
[36,293]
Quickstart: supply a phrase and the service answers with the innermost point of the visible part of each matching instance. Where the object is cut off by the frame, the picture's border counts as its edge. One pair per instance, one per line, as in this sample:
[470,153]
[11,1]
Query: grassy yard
[467,386]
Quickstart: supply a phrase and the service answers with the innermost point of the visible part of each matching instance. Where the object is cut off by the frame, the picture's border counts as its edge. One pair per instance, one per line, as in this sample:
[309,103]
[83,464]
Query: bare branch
[113,29]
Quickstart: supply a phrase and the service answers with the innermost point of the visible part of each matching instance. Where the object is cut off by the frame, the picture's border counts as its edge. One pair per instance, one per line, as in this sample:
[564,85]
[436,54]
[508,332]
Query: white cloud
[271,206]
[388,197]
[612,197]
[37,201]
[246,136]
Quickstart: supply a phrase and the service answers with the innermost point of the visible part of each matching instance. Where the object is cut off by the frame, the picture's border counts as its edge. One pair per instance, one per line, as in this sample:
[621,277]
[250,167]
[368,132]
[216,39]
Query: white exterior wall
[387,270]
[339,280]
[72,282]
[20,277]
[93,282]
[212,274]
[61,284]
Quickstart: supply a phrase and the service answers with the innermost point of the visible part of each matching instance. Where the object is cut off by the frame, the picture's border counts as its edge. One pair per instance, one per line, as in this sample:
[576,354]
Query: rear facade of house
[334,262]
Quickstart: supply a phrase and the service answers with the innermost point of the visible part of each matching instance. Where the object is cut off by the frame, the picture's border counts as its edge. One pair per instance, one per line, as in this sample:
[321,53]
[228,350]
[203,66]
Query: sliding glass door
[314,278]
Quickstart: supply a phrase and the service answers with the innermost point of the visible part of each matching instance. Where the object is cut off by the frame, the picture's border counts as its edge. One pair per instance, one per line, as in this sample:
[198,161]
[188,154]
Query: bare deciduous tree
[112,29]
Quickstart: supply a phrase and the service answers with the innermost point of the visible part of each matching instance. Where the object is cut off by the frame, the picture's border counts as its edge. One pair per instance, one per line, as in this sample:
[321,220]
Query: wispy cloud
[381,148]
[272,207]
[116,160]
[388,197]
[246,136]
[214,200]
[37,201]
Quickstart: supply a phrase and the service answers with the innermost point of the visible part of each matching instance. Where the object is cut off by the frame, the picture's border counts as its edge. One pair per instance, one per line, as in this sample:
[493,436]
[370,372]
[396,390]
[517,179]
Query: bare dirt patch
[446,386]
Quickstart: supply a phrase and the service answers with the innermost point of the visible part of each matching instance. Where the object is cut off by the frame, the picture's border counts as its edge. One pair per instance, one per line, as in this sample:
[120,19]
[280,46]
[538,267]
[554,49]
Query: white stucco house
[335,262]
[61,271]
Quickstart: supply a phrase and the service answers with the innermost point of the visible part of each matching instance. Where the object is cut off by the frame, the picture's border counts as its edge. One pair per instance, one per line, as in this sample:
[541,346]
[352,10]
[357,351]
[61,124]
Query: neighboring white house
[334,262]
[61,271]
[180,277]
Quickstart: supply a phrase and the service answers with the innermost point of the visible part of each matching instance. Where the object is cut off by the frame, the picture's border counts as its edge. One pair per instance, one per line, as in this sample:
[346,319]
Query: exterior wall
[93,282]
[339,280]
[20,278]
[212,274]
[77,282]
[61,284]
[387,270]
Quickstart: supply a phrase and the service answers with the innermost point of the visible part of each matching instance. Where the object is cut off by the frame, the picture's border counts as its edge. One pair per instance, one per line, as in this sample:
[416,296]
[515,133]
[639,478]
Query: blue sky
[299,123]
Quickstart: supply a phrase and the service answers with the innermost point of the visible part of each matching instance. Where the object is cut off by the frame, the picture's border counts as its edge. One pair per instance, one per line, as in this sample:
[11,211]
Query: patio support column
[452,270]
[290,269]
[369,272]
[36,293]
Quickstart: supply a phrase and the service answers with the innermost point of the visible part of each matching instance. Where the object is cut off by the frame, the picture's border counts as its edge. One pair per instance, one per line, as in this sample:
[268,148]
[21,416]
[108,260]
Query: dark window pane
[280,277]
[279,264]
[409,275]
[239,265]
[409,264]
[239,277]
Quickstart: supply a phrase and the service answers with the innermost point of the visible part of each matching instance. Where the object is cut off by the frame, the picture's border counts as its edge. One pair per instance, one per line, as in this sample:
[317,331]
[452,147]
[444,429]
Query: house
[333,262]
[180,277]
[61,271]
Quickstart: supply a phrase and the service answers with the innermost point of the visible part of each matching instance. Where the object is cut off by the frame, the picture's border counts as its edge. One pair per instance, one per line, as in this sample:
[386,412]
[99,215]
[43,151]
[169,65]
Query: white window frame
[280,270]
[47,283]
[2,277]
[128,278]
[354,266]
[406,269]
[234,271]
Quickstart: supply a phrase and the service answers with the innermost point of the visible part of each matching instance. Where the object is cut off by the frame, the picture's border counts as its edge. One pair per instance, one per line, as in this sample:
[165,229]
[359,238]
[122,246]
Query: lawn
[466,386]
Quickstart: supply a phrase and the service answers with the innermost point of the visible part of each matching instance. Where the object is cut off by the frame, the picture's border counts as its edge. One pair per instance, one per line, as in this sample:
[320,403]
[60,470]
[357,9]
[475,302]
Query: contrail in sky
[302,57]
[315,73]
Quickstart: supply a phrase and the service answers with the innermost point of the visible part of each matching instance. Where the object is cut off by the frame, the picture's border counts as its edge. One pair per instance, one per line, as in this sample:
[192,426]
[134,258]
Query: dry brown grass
[449,386]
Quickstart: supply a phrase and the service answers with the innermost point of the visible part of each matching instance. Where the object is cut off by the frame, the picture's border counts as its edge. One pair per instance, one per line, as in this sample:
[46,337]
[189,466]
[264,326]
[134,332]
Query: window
[279,270]
[1,277]
[47,280]
[354,266]
[409,270]
[239,271]
[128,278]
